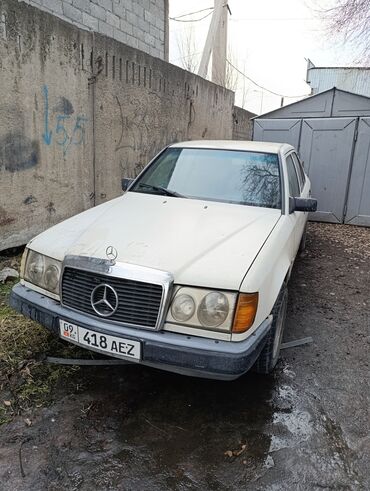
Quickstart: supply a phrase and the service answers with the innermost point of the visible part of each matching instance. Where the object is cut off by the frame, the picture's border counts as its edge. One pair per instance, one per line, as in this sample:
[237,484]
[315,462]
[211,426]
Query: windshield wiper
[165,191]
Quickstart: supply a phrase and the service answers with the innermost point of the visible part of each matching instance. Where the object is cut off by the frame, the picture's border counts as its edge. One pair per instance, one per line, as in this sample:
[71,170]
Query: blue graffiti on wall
[47,134]
[68,130]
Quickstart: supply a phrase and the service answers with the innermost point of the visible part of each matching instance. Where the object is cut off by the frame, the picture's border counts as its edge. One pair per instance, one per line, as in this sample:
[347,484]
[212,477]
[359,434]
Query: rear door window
[294,190]
[300,169]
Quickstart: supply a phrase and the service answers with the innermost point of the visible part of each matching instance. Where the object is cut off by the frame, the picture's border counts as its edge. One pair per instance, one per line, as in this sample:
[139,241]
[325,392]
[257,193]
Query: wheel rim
[279,327]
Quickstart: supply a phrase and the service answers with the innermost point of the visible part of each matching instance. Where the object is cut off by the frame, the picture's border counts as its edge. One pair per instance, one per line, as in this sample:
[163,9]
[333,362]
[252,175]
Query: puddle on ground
[170,429]
[178,428]
[140,429]
[290,422]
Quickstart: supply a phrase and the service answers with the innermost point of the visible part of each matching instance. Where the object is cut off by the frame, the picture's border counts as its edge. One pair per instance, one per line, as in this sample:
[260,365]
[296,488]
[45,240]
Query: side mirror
[302,204]
[126,182]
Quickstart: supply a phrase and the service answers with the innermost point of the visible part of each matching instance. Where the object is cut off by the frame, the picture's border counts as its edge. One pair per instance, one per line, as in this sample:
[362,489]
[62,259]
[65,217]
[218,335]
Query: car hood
[201,243]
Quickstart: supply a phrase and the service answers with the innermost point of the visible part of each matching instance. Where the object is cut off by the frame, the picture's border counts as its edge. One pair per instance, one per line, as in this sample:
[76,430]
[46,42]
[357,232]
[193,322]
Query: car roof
[252,146]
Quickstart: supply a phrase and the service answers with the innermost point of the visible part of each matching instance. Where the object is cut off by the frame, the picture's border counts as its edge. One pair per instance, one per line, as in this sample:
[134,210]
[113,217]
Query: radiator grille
[138,302]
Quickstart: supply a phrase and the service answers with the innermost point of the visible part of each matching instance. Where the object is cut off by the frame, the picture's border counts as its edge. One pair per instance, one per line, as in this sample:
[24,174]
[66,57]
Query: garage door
[326,149]
[277,130]
[358,204]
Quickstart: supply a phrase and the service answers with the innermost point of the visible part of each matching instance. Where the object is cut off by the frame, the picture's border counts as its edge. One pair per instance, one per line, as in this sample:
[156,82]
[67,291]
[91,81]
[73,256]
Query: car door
[295,188]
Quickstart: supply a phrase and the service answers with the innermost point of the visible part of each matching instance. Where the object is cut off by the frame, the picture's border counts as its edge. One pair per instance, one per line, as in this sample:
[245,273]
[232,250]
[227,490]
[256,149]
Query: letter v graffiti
[47,134]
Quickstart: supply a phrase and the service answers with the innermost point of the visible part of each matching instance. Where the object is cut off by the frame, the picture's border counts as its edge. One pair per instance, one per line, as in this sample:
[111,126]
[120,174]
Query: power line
[264,88]
[191,13]
[270,19]
[192,20]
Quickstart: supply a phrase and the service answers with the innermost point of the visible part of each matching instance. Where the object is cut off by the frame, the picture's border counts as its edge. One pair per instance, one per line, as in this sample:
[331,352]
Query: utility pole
[216,43]
[219,52]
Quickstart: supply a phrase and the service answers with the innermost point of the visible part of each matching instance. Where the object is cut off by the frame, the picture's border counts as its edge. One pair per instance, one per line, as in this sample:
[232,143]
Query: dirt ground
[305,427]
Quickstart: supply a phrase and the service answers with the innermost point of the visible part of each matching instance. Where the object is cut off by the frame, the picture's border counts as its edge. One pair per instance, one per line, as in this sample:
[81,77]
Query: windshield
[230,176]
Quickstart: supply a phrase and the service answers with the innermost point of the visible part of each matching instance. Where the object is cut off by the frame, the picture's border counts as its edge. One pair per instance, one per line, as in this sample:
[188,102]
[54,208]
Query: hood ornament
[111,253]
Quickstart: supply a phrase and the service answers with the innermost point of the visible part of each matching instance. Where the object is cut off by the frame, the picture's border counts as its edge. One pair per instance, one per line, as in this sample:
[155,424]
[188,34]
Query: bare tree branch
[351,18]
[187,49]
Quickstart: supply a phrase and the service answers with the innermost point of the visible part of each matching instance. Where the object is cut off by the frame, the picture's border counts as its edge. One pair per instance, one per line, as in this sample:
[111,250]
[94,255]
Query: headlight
[51,277]
[183,307]
[201,308]
[42,271]
[213,309]
[35,267]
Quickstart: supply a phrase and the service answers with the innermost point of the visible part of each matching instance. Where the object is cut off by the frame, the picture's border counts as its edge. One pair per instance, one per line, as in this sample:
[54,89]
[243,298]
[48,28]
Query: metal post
[261,102]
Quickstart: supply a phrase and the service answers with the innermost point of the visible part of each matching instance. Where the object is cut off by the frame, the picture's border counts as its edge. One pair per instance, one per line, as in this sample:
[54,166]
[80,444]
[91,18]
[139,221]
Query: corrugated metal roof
[330,103]
[352,79]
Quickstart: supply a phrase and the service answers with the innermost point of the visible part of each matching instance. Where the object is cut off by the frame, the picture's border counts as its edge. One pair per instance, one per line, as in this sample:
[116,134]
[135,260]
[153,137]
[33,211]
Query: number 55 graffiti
[68,131]
[78,134]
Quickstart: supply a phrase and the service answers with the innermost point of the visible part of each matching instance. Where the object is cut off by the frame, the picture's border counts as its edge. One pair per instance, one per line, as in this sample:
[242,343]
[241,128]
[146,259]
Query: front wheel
[270,354]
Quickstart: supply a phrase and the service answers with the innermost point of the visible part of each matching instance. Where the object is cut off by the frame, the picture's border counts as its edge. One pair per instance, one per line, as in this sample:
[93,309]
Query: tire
[270,354]
[302,245]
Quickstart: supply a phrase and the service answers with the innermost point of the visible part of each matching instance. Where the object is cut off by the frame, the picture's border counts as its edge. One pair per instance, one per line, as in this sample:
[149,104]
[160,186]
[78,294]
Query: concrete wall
[79,111]
[242,124]
[45,122]
[142,24]
[142,104]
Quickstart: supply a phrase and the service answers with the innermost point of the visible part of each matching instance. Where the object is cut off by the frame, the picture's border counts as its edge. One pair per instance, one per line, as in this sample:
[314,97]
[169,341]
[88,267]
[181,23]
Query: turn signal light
[245,312]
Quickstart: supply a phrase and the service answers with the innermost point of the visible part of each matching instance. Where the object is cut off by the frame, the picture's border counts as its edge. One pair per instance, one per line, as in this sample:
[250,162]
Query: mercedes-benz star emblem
[104,300]
[111,253]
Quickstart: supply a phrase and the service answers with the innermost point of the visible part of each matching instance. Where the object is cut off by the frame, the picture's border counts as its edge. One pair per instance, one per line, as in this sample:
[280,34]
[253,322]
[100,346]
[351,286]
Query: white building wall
[355,80]
[141,24]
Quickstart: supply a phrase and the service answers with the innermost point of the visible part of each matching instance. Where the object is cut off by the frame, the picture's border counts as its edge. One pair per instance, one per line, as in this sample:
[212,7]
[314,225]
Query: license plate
[112,345]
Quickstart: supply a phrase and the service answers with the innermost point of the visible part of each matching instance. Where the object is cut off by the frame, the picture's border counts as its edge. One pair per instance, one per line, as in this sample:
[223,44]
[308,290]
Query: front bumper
[179,353]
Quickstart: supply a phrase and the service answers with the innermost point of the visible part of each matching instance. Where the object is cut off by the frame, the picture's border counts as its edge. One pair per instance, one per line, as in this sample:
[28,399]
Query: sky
[268,40]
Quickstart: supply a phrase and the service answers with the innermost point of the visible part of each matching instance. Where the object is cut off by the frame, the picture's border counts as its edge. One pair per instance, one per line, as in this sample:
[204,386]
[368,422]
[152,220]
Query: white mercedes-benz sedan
[188,270]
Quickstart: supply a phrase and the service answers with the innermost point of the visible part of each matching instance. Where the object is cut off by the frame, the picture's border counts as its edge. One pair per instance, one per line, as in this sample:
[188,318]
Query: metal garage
[331,132]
